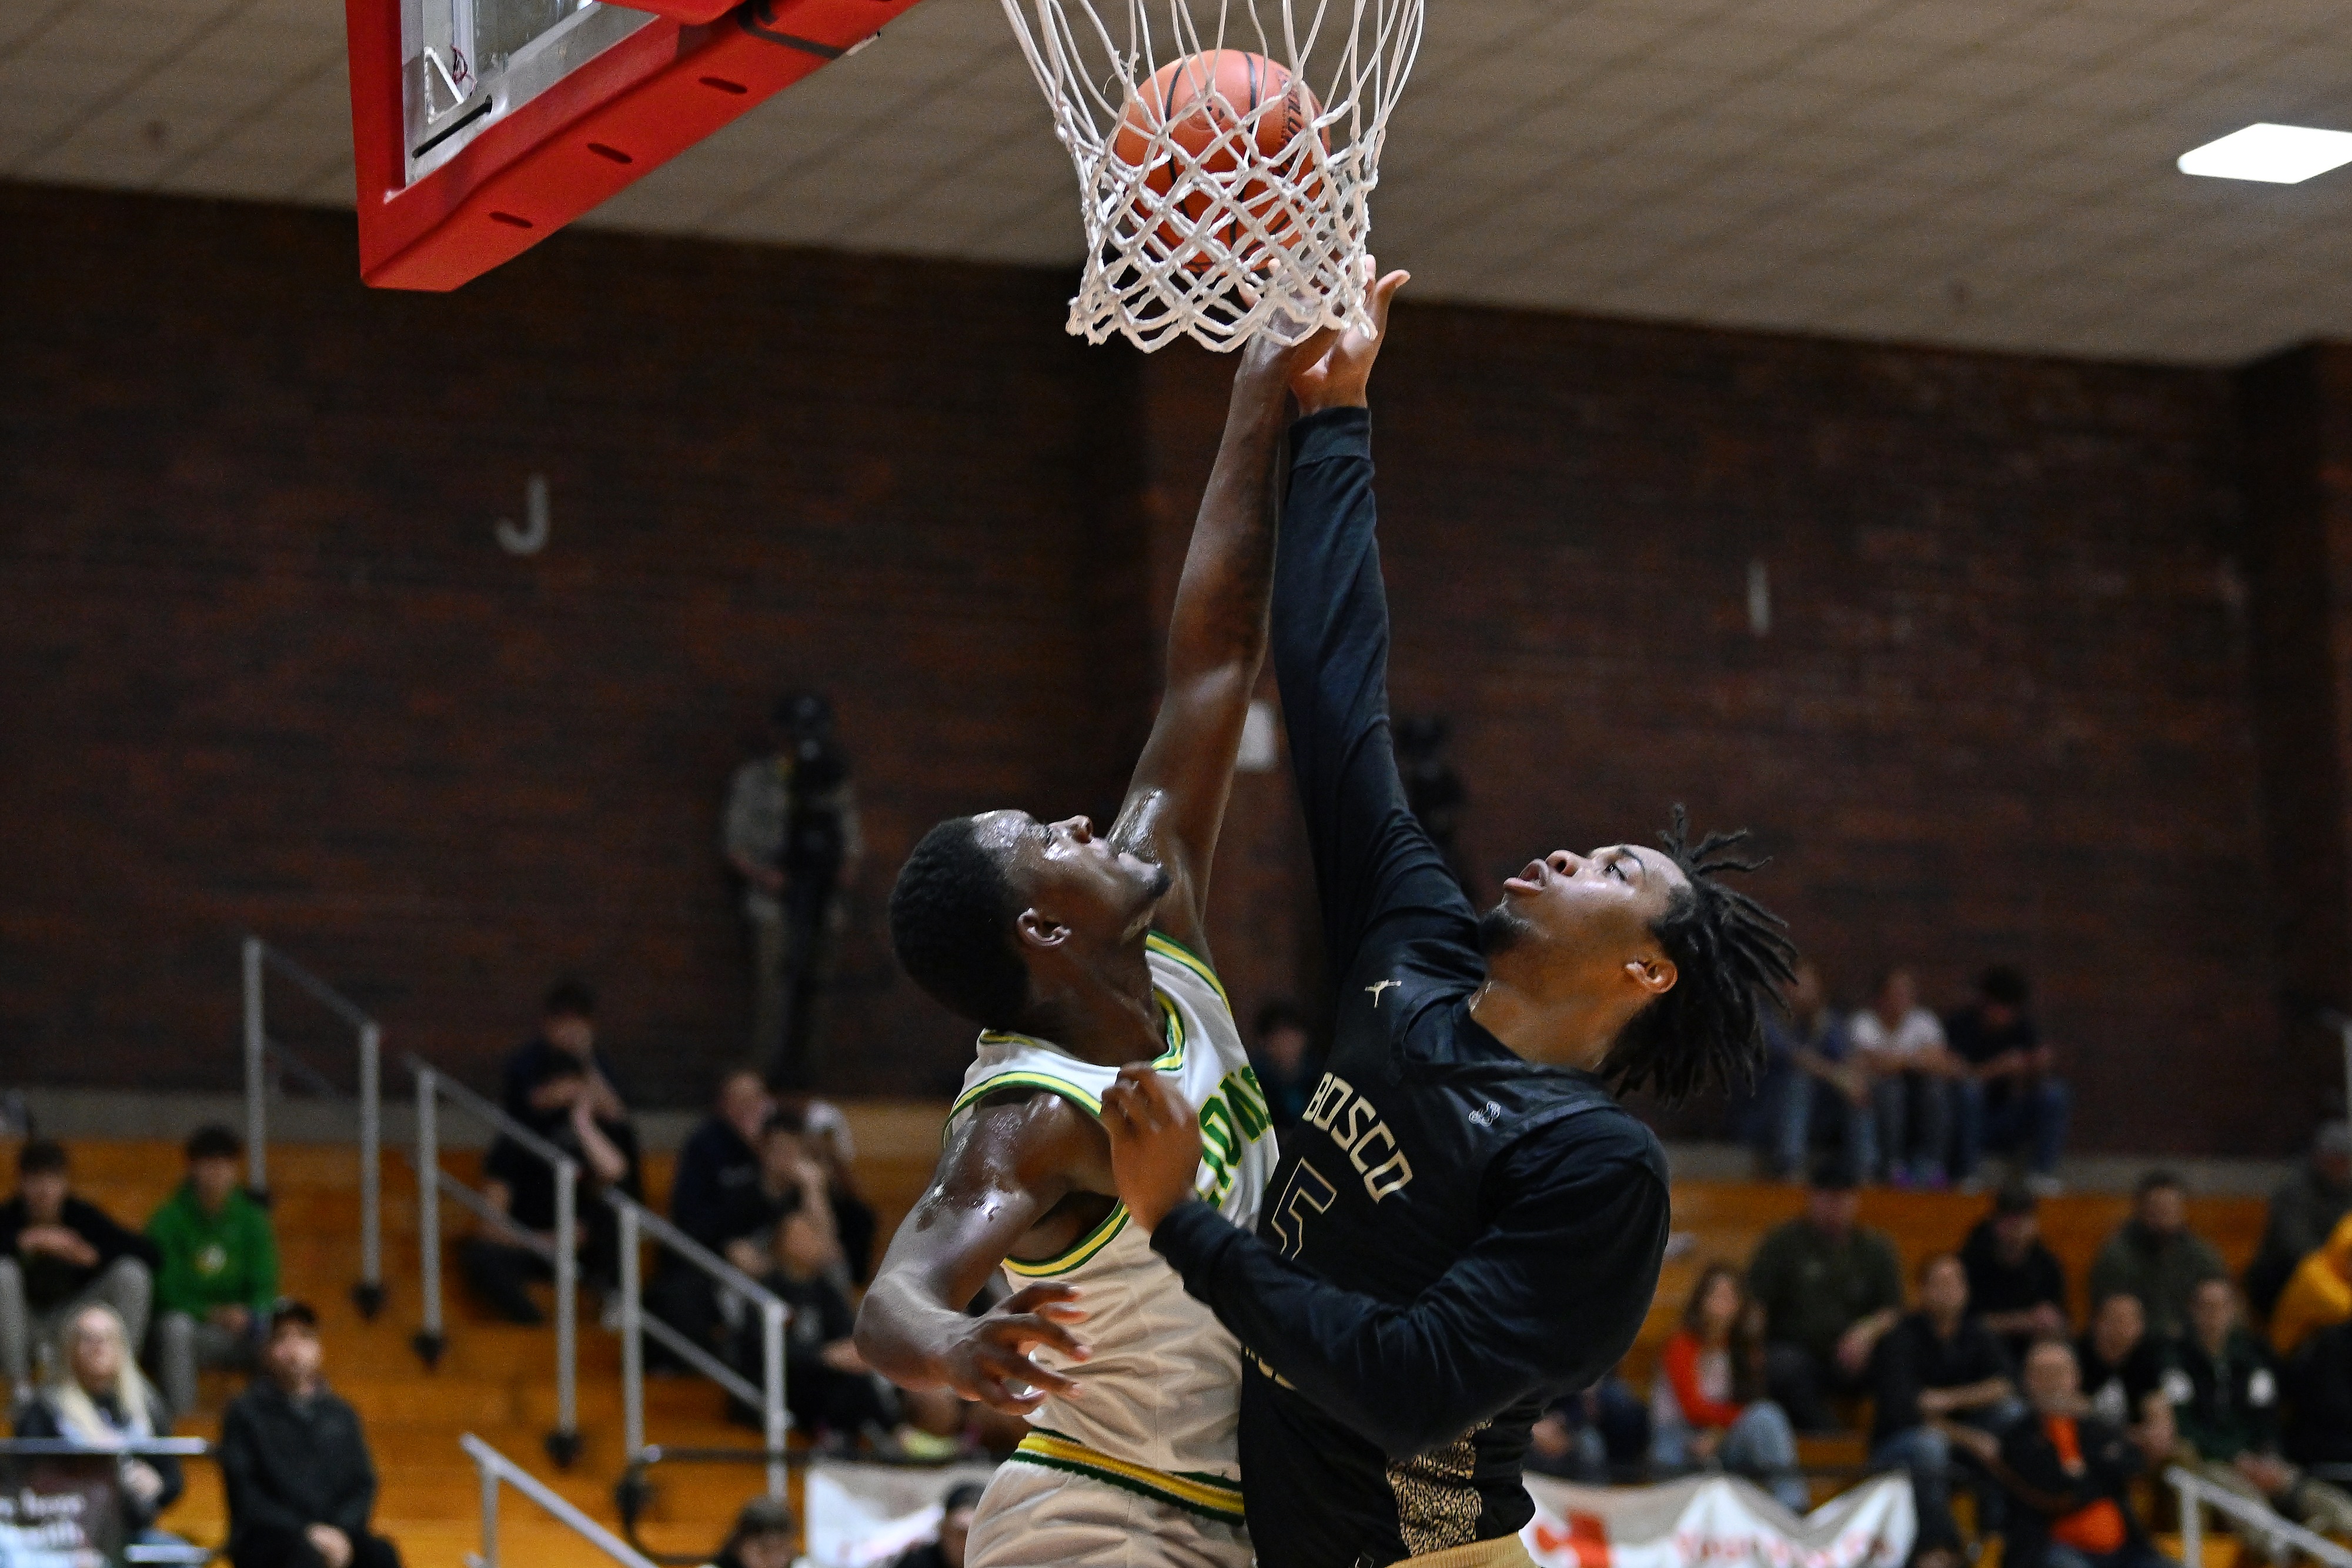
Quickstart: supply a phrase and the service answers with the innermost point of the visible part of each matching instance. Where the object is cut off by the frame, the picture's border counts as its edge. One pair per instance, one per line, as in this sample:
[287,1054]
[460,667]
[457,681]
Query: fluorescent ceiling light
[2279,154]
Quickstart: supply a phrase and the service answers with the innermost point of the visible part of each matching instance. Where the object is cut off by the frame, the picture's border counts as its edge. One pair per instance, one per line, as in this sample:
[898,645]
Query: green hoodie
[225,1260]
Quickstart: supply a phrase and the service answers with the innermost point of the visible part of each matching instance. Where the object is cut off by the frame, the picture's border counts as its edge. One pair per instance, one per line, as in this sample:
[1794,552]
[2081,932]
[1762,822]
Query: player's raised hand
[1155,1143]
[991,1363]
[1341,376]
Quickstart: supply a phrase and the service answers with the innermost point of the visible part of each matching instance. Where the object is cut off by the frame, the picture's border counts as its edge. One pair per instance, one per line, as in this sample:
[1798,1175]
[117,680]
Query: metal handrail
[563,1251]
[259,957]
[130,1448]
[638,1222]
[493,1468]
[2249,1515]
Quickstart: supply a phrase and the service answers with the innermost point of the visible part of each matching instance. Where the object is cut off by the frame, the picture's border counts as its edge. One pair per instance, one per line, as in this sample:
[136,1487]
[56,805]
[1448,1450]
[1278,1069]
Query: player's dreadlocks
[1730,953]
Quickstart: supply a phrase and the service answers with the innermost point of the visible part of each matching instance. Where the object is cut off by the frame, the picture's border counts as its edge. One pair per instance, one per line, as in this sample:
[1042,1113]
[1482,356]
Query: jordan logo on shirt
[1377,988]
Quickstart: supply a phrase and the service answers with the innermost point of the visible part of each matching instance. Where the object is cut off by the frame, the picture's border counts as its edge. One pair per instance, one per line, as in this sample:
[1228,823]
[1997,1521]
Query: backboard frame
[632,106]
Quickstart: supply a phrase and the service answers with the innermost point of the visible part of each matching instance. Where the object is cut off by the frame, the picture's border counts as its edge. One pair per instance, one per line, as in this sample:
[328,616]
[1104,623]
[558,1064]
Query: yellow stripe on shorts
[1213,1497]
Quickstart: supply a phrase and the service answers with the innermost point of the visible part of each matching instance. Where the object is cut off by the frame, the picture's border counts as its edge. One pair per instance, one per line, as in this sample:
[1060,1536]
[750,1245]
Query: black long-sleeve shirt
[49,1279]
[1457,1236]
[289,1464]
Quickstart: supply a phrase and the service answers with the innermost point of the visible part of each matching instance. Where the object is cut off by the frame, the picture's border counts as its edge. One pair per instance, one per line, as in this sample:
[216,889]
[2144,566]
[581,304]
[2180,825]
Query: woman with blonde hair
[1706,1409]
[96,1398]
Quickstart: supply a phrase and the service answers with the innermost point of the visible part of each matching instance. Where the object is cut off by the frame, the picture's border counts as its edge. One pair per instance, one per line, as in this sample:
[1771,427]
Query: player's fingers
[1022,1333]
[1012,1369]
[997,1397]
[1032,1298]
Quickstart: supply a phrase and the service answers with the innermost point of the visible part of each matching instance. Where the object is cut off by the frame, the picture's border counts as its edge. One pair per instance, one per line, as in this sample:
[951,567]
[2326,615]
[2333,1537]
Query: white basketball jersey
[1163,1378]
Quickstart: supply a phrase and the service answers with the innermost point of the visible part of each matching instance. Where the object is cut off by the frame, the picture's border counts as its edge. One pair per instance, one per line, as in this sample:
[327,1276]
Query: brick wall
[262,664]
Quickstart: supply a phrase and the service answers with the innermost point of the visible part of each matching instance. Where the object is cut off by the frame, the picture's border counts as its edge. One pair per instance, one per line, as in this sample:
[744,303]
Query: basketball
[1222,110]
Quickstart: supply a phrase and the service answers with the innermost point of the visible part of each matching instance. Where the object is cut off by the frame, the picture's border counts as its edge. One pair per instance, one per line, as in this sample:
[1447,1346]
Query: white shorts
[1033,1517]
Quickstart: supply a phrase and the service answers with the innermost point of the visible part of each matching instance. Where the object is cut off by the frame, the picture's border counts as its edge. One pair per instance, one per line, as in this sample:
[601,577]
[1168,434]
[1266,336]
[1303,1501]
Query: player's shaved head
[951,916]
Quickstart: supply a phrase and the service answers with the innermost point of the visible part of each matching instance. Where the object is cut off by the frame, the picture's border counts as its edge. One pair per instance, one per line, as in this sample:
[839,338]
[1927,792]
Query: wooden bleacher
[497,1380]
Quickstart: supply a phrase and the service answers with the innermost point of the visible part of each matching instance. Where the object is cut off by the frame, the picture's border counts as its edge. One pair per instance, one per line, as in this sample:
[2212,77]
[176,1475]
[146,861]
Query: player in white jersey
[1078,953]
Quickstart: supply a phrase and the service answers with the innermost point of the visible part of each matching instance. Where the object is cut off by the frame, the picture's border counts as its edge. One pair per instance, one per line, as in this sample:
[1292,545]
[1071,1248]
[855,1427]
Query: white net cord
[1266,227]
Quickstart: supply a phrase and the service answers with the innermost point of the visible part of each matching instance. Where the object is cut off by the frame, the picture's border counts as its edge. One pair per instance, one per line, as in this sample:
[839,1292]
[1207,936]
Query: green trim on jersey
[1092,1242]
[1167,947]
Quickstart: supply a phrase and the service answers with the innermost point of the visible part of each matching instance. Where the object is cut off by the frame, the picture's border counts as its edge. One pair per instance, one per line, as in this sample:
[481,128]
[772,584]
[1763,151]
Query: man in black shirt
[1468,1225]
[1944,1390]
[715,1199]
[2121,1370]
[58,1252]
[2010,1098]
[2015,1283]
[295,1463]
[563,1103]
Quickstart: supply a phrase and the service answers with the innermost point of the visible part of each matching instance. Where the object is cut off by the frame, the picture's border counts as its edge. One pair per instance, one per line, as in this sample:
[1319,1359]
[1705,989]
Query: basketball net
[1221,246]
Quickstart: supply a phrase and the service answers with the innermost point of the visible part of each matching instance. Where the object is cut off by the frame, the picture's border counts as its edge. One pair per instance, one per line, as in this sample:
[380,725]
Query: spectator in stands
[1944,1391]
[216,1275]
[833,1395]
[2121,1371]
[58,1252]
[566,1040]
[763,1537]
[2304,1209]
[1706,1406]
[2155,1256]
[2318,1294]
[95,1396]
[2015,1283]
[2010,1096]
[1829,1289]
[956,1512]
[792,834]
[2066,1473]
[1596,1437]
[825,1131]
[1819,1076]
[499,1261]
[2319,1399]
[715,1199]
[302,1488]
[1912,1076]
[2224,1390]
[1285,1062]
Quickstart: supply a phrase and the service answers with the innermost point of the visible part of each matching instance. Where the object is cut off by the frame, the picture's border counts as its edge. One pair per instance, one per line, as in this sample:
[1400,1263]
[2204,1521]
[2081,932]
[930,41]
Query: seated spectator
[1944,1392]
[763,1537]
[217,1272]
[1284,1061]
[2010,1096]
[567,1033]
[2066,1476]
[2303,1211]
[1913,1076]
[1706,1406]
[57,1253]
[2319,1398]
[2224,1390]
[2121,1371]
[302,1488]
[826,1131]
[2318,1294]
[834,1396]
[1818,1077]
[96,1398]
[715,1199]
[2155,1256]
[2015,1283]
[1829,1289]
[949,1551]
[498,1261]
[1598,1437]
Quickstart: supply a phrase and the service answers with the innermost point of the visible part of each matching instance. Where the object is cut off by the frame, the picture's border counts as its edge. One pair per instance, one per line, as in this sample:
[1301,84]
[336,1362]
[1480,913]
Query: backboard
[481,127]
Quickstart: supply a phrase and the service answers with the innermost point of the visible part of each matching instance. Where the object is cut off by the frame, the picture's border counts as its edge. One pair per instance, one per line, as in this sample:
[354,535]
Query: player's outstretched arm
[1546,1300]
[1330,654]
[1216,644]
[1004,1168]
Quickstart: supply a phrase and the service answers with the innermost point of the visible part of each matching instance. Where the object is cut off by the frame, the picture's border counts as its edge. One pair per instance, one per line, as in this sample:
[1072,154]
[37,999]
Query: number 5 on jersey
[1306,1191]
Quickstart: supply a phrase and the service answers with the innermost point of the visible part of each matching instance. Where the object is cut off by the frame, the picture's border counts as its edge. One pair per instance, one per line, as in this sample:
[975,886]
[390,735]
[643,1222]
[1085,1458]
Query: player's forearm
[904,1330]
[1218,622]
[1394,1374]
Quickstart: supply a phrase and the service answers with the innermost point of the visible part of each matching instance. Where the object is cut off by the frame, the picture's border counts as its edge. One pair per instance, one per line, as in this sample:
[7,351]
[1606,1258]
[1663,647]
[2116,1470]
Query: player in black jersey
[1468,1225]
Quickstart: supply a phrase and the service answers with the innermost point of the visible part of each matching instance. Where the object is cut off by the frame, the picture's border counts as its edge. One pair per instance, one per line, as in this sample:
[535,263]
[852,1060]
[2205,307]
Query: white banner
[862,1515]
[859,1515]
[1717,1521]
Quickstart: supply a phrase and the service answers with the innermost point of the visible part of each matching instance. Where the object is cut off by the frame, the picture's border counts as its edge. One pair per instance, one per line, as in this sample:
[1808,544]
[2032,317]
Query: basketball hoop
[1225,160]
